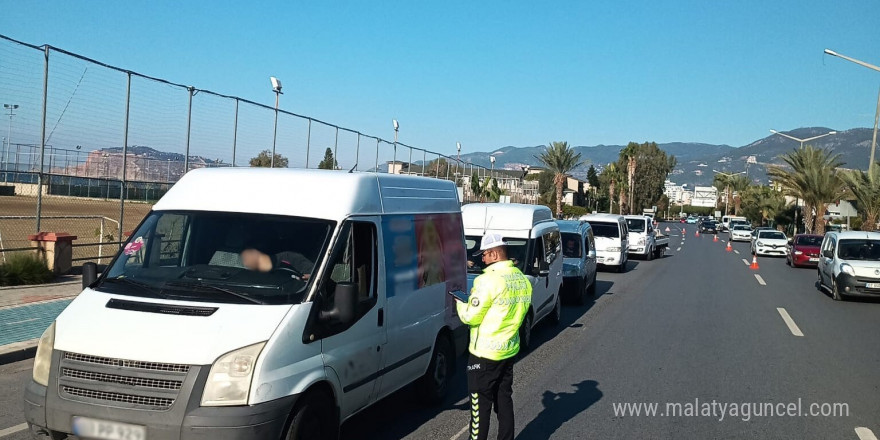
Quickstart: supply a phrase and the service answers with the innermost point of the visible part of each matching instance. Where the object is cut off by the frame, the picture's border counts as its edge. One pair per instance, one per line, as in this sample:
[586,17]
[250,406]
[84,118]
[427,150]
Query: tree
[264,160]
[611,180]
[737,185]
[762,203]
[437,168]
[559,159]
[652,165]
[329,163]
[812,175]
[865,188]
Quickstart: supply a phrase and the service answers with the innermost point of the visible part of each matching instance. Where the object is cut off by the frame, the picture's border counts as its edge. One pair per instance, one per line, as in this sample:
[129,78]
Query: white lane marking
[737,252]
[789,322]
[678,249]
[865,434]
[23,426]
[746,261]
[459,433]
[760,280]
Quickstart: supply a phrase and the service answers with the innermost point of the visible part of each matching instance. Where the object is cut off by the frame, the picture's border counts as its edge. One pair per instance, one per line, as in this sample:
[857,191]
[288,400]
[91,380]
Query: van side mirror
[828,253]
[89,274]
[345,300]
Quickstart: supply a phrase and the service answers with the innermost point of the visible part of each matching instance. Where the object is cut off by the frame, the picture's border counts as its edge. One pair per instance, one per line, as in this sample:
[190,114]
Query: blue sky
[492,74]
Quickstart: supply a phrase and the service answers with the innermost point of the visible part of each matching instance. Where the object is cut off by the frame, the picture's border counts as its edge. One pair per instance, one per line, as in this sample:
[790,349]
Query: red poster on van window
[440,251]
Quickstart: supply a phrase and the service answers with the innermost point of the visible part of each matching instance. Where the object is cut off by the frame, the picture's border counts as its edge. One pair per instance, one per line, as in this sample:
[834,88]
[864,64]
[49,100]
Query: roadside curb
[18,351]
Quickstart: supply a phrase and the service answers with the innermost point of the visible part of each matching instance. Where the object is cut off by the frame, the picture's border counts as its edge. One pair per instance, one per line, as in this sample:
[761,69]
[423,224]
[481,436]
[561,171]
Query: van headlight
[846,268]
[43,358]
[229,381]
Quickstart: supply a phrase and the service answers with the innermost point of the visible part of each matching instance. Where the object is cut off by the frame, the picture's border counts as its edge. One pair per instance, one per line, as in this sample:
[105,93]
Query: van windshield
[219,257]
[635,225]
[516,252]
[861,249]
[609,230]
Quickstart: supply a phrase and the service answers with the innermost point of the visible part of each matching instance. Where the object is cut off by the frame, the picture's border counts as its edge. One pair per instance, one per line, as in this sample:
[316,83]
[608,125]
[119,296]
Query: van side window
[354,261]
[588,243]
[552,246]
[537,256]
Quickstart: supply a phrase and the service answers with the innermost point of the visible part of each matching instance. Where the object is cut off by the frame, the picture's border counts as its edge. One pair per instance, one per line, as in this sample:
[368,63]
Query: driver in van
[254,259]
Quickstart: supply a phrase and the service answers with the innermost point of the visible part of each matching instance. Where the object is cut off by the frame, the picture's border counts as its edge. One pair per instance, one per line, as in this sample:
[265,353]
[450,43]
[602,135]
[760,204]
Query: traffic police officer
[498,302]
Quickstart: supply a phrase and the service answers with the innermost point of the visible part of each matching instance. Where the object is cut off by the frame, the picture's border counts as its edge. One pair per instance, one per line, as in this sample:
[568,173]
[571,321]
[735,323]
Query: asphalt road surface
[723,351]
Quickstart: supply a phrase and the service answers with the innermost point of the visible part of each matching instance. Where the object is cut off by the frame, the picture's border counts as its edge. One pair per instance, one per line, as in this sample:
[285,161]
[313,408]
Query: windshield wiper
[145,287]
[215,289]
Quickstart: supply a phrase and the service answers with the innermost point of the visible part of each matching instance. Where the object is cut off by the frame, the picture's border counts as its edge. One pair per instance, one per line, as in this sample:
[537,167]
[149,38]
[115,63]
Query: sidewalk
[26,311]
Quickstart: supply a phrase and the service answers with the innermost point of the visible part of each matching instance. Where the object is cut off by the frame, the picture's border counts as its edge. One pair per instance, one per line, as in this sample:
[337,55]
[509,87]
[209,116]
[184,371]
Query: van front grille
[121,383]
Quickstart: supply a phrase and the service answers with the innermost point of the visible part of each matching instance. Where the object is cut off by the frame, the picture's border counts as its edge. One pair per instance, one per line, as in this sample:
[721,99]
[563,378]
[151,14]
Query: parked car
[725,221]
[849,264]
[612,240]
[803,250]
[769,242]
[579,260]
[740,233]
[709,227]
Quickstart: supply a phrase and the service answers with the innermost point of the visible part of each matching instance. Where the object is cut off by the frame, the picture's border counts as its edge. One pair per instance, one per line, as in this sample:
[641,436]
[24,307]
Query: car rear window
[809,241]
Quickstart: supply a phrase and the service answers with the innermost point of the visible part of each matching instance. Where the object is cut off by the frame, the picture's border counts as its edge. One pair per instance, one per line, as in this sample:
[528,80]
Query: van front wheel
[312,420]
[434,385]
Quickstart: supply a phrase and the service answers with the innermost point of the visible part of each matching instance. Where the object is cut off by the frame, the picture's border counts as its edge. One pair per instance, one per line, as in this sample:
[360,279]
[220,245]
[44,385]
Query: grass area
[23,269]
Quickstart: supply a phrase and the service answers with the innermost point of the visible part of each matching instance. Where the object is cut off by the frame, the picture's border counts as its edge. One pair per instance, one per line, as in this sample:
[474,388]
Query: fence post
[189,130]
[308,141]
[124,155]
[357,152]
[235,133]
[42,136]
[377,155]
[334,166]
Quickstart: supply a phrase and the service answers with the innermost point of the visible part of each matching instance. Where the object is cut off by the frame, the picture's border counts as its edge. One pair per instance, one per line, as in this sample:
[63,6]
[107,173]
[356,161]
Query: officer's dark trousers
[490,382]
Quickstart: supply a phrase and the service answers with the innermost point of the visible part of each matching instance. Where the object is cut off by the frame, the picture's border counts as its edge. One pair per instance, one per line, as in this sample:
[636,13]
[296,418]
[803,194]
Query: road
[696,329]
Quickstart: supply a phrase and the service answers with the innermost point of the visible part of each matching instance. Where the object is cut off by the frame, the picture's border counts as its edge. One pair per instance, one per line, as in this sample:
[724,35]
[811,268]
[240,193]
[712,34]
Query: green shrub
[22,269]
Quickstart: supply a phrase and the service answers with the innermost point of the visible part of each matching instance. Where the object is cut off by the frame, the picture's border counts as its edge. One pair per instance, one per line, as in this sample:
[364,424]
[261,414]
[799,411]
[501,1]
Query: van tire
[835,292]
[592,289]
[582,292]
[650,254]
[433,387]
[525,332]
[313,419]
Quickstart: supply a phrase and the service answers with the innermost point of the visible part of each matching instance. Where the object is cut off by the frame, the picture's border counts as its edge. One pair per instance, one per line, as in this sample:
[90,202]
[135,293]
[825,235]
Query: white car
[770,242]
[740,233]
[849,264]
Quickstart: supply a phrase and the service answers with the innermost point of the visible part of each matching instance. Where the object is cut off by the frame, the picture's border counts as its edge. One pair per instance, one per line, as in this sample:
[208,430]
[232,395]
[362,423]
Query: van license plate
[873,285]
[102,429]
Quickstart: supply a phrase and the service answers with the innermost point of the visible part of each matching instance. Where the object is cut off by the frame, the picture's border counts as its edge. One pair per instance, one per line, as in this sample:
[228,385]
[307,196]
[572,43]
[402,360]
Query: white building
[706,196]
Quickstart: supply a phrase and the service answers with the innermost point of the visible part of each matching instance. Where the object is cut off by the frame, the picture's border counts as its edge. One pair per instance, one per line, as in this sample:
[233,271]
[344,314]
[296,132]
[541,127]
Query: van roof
[504,216]
[604,217]
[325,194]
[845,235]
[577,226]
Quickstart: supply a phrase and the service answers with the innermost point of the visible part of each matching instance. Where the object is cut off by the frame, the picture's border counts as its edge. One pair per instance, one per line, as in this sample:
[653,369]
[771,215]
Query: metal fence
[85,138]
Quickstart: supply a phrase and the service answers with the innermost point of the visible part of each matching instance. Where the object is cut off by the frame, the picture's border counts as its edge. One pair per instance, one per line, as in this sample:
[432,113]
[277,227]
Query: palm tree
[866,190]
[814,178]
[612,177]
[720,183]
[737,185]
[628,154]
[559,159]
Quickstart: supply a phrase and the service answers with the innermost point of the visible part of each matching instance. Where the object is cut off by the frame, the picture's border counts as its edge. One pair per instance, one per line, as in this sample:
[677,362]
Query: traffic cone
[715,238]
[728,249]
[697,234]
[754,262]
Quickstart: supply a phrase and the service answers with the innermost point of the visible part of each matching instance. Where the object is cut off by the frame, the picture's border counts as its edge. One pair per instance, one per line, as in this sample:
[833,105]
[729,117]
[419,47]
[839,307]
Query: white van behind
[612,240]
[176,339]
[534,247]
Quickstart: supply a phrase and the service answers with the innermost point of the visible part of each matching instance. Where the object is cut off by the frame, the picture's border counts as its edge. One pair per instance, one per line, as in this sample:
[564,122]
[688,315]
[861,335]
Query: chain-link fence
[89,147]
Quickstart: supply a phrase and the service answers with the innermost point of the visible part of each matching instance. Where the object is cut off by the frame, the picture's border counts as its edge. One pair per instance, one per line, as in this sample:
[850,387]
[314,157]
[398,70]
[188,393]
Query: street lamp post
[727,195]
[797,201]
[876,113]
[276,87]
[394,157]
[11,108]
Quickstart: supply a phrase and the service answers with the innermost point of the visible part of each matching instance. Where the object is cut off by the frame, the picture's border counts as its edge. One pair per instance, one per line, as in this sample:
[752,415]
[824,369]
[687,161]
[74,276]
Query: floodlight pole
[876,114]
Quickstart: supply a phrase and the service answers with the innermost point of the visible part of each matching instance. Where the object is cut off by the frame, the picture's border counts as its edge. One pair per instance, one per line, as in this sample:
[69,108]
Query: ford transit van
[182,337]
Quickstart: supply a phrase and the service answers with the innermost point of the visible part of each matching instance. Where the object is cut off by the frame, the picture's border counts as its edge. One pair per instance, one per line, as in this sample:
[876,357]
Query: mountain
[696,161]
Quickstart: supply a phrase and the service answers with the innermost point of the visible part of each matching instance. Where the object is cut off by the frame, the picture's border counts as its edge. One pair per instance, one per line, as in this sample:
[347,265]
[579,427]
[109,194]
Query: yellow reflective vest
[499,300]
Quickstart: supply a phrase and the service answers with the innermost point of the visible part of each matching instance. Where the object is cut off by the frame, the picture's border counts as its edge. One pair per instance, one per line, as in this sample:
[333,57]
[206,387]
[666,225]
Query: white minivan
[534,247]
[180,337]
[612,239]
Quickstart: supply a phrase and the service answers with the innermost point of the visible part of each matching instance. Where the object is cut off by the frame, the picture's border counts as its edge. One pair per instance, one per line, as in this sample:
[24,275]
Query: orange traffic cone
[728,247]
[715,238]
[697,234]
[754,262]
